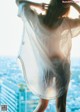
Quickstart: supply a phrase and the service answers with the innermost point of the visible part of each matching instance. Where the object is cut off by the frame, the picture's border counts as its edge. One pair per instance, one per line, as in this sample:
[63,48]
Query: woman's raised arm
[76,6]
[34,4]
[74,23]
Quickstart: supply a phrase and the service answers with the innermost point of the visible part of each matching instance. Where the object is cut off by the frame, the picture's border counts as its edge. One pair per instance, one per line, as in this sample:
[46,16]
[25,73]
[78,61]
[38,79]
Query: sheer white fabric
[45,54]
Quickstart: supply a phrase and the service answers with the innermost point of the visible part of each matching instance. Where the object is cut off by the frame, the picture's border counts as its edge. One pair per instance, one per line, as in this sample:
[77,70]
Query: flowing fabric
[45,54]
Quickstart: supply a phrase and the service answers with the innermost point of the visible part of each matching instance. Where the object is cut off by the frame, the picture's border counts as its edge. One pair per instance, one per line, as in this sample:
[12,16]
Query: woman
[45,50]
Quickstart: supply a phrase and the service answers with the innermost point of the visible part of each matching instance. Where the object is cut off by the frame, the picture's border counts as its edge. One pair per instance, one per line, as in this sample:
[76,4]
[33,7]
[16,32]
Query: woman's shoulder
[54,27]
[69,19]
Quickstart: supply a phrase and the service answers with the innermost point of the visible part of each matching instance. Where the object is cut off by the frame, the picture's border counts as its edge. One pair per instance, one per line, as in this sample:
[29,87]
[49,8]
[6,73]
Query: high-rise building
[13,96]
[32,101]
[18,98]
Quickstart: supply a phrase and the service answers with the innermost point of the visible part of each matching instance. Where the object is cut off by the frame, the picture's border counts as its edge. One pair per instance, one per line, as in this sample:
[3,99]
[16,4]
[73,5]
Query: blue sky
[11,30]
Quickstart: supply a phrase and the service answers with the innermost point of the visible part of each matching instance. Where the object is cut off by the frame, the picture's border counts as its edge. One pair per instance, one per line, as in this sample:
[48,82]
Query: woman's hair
[56,9]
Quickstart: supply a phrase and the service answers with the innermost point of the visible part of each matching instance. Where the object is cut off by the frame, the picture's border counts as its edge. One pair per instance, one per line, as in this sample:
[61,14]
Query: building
[14,96]
[18,98]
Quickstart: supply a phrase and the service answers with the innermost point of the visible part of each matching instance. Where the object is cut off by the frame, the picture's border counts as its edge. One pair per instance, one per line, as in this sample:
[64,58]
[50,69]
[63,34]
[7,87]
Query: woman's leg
[61,103]
[63,71]
[43,103]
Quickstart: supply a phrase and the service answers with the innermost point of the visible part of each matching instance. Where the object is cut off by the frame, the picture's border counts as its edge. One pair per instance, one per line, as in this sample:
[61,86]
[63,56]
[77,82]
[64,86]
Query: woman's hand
[39,8]
[67,3]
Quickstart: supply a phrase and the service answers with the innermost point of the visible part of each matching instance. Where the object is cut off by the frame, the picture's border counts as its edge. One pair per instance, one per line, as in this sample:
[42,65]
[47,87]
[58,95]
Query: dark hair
[56,9]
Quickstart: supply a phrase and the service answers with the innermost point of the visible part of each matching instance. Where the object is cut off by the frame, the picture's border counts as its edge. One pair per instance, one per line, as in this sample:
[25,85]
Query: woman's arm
[34,4]
[76,6]
[75,23]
